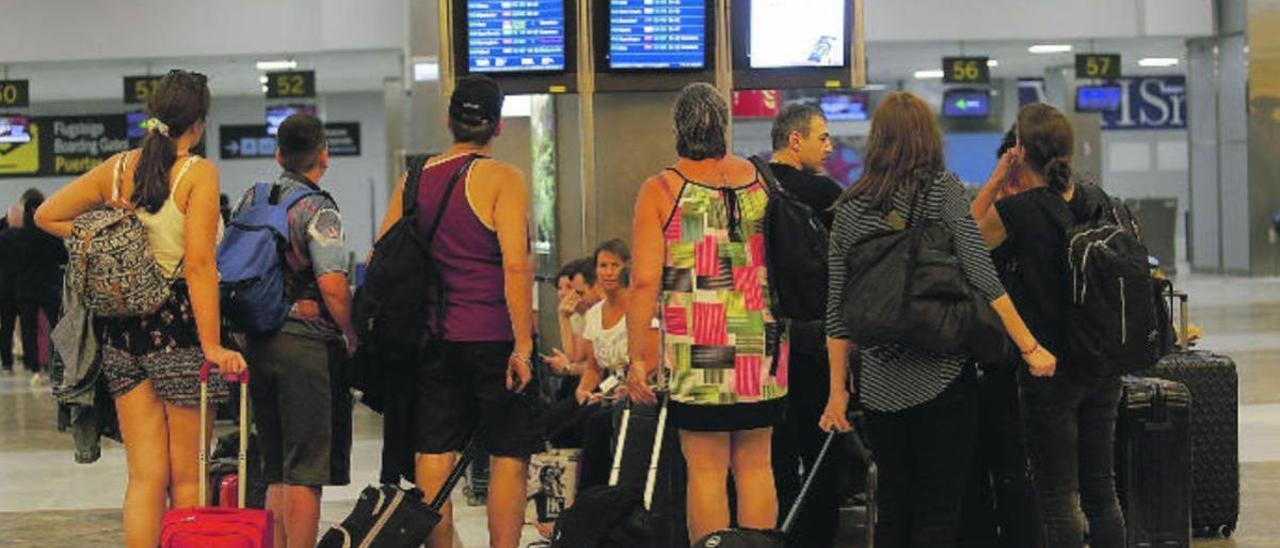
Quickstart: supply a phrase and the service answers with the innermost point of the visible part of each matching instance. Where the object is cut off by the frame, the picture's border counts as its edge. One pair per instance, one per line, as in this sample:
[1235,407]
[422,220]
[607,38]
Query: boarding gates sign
[1149,103]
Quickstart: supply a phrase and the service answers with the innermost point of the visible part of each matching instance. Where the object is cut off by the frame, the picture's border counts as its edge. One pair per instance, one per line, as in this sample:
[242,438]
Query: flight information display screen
[657,34]
[797,33]
[516,36]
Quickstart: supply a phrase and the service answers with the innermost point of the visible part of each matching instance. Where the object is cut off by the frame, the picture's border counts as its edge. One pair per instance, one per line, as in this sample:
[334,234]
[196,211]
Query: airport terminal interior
[1175,106]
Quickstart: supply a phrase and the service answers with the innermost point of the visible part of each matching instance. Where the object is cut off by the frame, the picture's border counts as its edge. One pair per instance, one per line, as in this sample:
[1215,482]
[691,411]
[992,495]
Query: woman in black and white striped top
[921,407]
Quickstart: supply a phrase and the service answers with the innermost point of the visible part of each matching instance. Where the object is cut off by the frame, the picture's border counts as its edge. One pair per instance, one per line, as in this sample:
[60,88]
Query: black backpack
[906,287]
[795,252]
[1113,317]
[390,309]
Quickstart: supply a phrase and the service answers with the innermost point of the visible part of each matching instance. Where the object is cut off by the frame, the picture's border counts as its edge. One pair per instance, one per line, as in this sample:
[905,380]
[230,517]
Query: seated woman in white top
[605,333]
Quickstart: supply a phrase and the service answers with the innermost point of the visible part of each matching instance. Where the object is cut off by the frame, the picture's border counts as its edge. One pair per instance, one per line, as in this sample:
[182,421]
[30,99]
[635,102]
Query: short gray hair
[795,117]
[701,122]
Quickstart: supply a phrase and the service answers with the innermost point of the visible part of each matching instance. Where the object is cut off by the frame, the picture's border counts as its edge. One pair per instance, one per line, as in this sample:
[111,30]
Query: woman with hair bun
[151,363]
[1069,418]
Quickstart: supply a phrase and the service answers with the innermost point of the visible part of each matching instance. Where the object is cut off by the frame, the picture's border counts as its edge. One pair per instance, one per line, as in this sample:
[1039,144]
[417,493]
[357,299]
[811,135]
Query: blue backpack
[251,261]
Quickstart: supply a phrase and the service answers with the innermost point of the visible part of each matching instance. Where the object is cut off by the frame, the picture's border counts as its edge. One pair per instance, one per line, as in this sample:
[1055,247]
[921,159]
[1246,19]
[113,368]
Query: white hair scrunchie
[154,125]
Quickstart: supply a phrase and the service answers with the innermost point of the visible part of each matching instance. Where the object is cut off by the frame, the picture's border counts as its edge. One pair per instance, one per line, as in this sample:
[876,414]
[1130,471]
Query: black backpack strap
[444,201]
[770,180]
[413,178]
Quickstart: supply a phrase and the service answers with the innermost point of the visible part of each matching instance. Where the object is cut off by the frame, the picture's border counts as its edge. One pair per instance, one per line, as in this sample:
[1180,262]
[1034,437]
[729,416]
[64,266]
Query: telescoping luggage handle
[658,435]
[243,380]
[1184,334]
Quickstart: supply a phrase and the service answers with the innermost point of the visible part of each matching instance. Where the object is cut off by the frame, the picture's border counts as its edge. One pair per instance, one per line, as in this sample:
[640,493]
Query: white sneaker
[38,381]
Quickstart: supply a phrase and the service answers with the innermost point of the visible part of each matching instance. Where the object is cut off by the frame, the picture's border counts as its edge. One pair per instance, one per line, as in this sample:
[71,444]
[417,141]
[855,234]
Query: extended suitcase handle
[1184,332]
[242,468]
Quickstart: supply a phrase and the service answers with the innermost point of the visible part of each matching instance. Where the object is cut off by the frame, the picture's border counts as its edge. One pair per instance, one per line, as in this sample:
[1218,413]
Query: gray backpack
[110,264]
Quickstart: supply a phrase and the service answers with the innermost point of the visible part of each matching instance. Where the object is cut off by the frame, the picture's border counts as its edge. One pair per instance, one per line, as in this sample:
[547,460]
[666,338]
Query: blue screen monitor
[848,107]
[276,115]
[966,104]
[525,36]
[135,124]
[658,34]
[1098,98]
[14,129]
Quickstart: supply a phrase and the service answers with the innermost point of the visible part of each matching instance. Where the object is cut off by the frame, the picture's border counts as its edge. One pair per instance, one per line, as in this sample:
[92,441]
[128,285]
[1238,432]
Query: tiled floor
[48,500]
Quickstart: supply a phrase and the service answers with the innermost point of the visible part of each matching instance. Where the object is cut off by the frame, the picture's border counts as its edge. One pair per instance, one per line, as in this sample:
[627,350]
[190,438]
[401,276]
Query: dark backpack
[1113,321]
[391,308]
[251,259]
[795,242]
[906,287]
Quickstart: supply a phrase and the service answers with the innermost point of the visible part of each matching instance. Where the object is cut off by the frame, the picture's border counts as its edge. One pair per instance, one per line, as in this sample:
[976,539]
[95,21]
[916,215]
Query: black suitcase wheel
[1226,530]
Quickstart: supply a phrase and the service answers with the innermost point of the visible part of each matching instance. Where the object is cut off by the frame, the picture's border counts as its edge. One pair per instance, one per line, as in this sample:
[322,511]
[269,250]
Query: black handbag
[906,287]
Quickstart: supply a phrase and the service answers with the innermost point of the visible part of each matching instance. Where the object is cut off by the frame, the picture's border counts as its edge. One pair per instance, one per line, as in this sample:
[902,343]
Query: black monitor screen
[789,33]
[276,115]
[1098,98]
[14,129]
[515,36]
[658,34]
[966,104]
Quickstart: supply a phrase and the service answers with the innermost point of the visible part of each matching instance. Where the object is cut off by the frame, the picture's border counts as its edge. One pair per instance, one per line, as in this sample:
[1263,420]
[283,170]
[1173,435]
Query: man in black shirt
[801,145]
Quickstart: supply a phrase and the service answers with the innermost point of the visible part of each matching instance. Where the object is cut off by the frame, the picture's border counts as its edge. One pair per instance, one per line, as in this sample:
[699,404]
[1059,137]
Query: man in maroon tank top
[474,378]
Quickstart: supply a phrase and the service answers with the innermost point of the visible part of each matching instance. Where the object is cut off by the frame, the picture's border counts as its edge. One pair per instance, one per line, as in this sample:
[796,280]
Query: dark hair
[798,118]
[475,134]
[701,121]
[1048,143]
[567,271]
[300,141]
[31,200]
[904,148]
[585,267]
[179,100]
[615,246]
[1009,141]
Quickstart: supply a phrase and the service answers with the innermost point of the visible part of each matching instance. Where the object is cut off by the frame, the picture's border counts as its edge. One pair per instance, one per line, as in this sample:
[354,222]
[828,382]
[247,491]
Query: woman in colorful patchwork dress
[151,363]
[699,265]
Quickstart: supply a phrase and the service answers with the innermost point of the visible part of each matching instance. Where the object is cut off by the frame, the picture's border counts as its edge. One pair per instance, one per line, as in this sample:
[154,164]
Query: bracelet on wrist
[1034,347]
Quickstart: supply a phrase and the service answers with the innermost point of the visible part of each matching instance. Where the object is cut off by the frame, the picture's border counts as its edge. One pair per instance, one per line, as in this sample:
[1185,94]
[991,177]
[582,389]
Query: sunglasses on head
[201,78]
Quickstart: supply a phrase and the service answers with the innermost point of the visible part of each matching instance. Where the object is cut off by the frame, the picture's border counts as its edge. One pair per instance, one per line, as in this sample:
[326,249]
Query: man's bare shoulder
[495,172]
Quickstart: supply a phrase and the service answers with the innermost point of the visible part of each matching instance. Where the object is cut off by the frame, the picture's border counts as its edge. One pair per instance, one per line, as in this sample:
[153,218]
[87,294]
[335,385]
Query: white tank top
[166,228]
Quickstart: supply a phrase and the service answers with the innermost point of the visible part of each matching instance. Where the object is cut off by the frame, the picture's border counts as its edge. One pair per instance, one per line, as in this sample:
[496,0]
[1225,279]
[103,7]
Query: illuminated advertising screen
[276,115]
[14,129]
[797,33]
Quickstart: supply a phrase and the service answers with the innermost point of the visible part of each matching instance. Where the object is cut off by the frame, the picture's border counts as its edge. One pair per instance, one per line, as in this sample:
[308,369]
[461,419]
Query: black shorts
[462,389]
[301,408]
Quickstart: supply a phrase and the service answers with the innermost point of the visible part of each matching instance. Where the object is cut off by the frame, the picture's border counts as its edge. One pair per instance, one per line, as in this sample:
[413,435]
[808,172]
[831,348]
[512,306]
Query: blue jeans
[1071,427]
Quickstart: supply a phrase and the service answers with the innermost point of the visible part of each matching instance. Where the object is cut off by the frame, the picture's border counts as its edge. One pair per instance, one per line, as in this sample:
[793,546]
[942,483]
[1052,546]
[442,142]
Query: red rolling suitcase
[214,527]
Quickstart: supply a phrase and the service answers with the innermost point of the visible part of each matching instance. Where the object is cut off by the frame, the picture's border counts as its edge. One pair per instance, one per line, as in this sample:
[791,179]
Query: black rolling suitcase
[755,538]
[389,516]
[1153,463]
[1215,462]
[643,504]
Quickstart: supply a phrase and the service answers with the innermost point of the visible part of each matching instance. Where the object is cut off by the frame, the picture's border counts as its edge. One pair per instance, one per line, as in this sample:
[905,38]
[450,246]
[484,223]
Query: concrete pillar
[426,106]
[1263,131]
[1204,243]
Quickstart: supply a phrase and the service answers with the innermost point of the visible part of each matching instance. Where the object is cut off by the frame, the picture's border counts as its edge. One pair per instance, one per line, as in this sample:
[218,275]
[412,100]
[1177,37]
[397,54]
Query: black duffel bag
[906,287]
